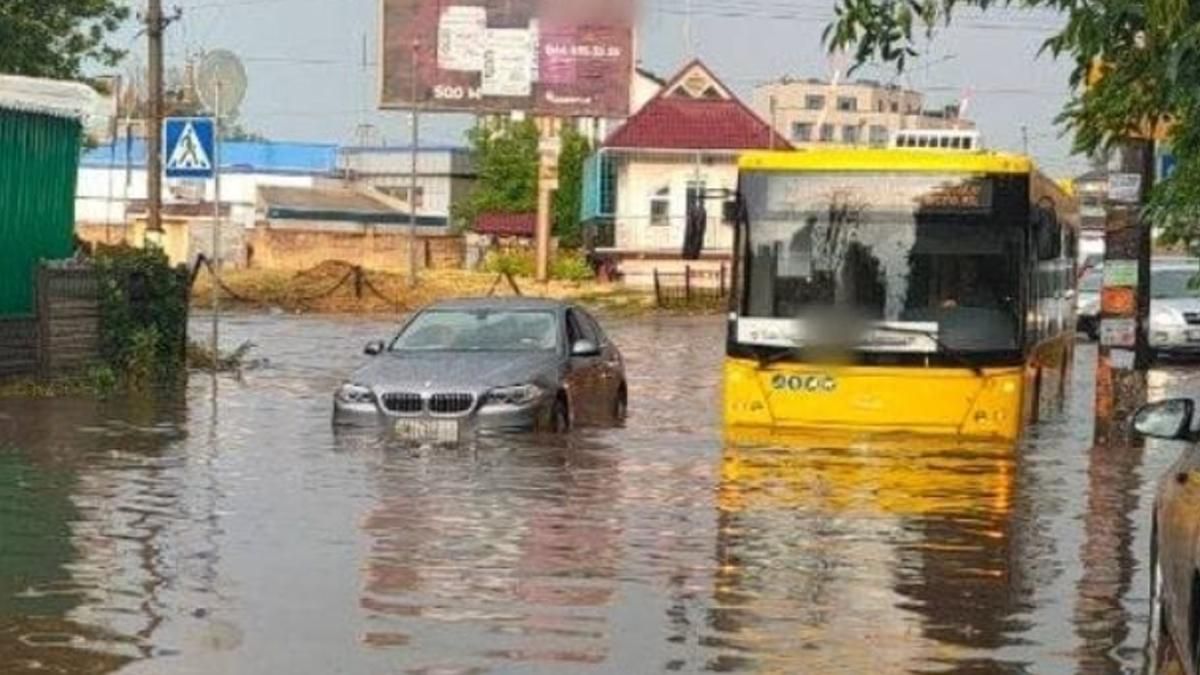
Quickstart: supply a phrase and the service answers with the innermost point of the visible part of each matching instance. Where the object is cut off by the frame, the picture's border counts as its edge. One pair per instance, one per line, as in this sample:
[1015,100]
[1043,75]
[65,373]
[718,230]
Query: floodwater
[238,533]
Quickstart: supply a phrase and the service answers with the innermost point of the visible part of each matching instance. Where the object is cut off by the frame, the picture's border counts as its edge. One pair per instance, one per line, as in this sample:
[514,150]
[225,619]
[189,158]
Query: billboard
[571,58]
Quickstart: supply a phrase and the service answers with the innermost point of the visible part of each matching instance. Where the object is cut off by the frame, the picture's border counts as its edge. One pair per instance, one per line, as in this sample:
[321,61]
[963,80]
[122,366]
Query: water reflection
[246,537]
[901,543]
[80,532]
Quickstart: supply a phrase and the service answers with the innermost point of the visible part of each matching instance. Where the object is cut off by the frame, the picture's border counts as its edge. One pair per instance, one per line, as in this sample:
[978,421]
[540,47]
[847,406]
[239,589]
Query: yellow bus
[899,290]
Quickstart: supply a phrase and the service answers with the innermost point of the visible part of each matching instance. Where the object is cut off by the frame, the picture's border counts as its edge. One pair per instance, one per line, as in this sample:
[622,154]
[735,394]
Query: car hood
[1178,305]
[457,371]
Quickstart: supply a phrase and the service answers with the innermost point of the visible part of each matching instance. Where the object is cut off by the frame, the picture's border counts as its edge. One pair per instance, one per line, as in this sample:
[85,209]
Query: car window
[578,328]
[589,322]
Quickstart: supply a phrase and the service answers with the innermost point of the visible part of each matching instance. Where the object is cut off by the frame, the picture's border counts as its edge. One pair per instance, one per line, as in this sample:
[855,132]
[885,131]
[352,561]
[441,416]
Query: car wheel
[621,405]
[560,417]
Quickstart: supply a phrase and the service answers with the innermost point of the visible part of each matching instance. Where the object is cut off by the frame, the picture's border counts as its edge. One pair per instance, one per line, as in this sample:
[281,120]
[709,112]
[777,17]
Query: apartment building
[854,113]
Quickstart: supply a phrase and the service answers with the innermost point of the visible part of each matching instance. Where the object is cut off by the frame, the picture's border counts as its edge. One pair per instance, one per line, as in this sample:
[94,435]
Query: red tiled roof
[675,123]
[507,224]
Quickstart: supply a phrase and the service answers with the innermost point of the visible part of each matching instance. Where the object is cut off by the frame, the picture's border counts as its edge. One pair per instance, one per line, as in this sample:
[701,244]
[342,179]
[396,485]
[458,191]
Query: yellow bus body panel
[886,160]
[876,400]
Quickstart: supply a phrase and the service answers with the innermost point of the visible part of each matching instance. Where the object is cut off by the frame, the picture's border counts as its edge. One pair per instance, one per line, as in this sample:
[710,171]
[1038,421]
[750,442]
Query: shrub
[571,266]
[516,262]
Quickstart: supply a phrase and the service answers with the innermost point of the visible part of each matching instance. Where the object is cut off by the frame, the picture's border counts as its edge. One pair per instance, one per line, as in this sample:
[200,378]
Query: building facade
[682,146]
[855,113]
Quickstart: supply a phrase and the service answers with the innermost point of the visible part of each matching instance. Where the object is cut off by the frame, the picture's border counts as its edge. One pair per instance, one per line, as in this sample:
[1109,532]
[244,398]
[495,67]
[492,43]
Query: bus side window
[1049,235]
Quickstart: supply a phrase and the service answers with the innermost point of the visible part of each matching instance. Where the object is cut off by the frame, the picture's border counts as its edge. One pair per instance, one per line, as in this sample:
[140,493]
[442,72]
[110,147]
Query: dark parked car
[490,364]
[1175,554]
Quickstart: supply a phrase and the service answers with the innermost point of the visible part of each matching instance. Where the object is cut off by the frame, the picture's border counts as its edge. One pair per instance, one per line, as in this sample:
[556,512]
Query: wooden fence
[64,335]
[691,288]
[68,318]
[18,345]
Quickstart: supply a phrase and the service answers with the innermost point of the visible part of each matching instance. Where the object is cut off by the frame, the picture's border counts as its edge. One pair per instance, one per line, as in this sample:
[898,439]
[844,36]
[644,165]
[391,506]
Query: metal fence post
[687,284]
[657,290]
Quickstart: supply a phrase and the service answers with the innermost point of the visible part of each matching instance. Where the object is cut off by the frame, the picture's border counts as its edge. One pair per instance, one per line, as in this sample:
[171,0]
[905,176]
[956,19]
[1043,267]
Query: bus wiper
[767,360]
[956,354]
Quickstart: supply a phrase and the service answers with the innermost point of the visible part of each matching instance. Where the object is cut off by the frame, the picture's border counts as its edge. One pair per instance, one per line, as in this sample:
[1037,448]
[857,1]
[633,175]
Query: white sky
[308,81]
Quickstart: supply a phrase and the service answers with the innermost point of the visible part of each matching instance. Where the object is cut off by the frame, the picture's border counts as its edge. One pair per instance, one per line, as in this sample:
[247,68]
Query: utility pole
[412,189]
[1125,354]
[155,24]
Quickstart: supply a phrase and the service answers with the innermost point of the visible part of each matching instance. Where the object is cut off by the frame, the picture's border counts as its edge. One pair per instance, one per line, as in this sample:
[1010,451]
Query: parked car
[1088,307]
[1175,543]
[1175,307]
[490,364]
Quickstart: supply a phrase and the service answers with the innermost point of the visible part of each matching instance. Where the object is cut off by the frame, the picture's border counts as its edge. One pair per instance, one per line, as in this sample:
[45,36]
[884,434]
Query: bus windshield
[918,262]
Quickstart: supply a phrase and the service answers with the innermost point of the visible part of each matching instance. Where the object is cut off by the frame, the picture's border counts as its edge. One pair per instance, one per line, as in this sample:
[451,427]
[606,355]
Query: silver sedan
[464,366]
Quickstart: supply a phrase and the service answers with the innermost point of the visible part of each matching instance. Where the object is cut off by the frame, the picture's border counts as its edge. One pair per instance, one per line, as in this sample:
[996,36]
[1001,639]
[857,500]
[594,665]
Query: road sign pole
[412,189]
[216,233]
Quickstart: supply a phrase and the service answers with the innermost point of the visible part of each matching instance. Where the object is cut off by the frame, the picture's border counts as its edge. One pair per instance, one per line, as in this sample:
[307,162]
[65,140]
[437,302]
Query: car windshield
[1180,282]
[1092,281]
[480,331]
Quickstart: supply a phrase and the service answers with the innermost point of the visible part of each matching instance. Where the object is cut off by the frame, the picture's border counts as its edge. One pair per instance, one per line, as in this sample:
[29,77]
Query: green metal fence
[39,163]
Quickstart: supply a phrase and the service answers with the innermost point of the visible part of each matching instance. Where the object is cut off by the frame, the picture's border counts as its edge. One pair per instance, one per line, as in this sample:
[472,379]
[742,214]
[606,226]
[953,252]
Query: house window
[847,103]
[660,208]
[895,106]
[401,193]
[826,133]
[802,132]
[850,135]
[879,135]
[814,102]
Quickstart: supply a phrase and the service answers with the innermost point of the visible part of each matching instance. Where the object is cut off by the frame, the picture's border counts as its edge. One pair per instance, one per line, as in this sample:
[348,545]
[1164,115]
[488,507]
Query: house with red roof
[683,145]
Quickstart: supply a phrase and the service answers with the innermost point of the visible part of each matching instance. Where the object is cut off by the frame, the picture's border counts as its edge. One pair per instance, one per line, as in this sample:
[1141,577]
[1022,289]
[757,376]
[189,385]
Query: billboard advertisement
[568,58]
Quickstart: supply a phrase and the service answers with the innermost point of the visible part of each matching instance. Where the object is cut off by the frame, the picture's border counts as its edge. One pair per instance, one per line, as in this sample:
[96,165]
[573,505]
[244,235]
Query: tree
[568,199]
[1136,65]
[55,38]
[506,158]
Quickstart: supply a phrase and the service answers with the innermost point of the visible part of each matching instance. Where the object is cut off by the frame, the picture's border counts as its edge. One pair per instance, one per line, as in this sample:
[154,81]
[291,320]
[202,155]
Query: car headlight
[355,394]
[515,396]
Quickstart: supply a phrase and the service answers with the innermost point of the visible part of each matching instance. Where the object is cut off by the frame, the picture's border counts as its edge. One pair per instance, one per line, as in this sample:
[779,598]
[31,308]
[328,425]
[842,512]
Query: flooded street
[235,532]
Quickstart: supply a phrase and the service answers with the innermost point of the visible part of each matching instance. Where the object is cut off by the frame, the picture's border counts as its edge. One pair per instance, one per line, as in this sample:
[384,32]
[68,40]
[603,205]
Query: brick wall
[301,249]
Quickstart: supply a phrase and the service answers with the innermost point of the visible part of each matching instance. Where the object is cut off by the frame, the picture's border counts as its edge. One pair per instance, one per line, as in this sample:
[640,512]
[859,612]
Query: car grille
[403,404]
[1193,318]
[451,404]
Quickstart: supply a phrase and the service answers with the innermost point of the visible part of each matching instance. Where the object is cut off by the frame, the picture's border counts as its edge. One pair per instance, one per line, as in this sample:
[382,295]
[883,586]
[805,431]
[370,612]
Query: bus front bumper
[945,402]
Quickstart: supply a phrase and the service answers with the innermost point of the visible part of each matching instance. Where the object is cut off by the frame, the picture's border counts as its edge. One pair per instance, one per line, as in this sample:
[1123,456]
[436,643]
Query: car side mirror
[1170,420]
[585,349]
[375,348]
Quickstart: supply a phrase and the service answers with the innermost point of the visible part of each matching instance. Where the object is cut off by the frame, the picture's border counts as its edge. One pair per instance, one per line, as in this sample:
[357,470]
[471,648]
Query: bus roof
[886,159]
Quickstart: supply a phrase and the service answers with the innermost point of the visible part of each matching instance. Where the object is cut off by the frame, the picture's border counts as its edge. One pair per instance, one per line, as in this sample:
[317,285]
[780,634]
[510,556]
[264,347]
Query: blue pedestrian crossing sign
[189,147]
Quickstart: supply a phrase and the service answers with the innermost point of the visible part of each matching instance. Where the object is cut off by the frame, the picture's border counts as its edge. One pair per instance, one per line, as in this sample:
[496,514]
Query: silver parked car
[491,364]
[1175,307]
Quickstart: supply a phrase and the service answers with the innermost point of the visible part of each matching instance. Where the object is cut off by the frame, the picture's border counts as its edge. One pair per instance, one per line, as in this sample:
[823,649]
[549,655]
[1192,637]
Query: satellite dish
[221,79]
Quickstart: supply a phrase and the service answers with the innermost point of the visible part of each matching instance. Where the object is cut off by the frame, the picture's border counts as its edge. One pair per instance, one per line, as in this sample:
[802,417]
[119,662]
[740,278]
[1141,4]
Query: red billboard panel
[571,58]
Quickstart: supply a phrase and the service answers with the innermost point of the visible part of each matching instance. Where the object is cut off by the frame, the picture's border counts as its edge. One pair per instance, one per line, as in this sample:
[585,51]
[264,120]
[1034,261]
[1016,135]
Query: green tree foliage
[1150,51]
[568,199]
[506,157]
[55,38]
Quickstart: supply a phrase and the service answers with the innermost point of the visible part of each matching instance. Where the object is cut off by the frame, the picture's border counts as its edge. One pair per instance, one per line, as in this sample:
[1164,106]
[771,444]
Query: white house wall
[103,194]
[637,182]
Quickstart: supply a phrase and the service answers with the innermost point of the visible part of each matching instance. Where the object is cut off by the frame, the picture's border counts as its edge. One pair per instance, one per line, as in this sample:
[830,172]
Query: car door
[1179,547]
[612,367]
[584,371]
